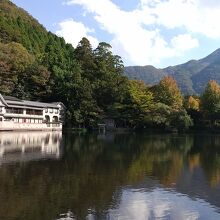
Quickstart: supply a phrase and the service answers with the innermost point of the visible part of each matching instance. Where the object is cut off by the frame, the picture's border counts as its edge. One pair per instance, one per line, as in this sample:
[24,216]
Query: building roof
[40,104]
[11,98]
[12,102]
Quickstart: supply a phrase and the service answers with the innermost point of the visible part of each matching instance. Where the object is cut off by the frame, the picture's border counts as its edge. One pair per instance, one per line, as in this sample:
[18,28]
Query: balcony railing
[34,112]
[14,111]
[54,124]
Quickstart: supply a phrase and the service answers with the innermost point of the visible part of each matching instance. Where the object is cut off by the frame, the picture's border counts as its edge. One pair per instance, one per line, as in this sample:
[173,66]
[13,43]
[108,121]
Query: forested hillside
[192,76]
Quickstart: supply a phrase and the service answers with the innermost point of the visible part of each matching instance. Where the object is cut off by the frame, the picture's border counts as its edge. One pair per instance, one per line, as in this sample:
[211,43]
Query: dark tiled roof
[15,101]
[11,98]
[40,104]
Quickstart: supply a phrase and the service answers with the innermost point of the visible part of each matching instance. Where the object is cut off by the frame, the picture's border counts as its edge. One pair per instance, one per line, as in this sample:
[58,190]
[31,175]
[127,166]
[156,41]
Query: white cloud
[210,3]
[184,42]
[131,40]
[73,32]
[195,16]
[138,35]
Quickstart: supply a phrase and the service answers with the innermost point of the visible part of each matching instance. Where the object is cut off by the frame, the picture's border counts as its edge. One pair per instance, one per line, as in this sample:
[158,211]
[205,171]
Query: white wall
[11,125]
[51,115]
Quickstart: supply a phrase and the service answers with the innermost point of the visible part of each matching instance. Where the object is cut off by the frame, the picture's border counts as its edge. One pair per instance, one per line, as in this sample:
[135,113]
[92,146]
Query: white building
[16,114]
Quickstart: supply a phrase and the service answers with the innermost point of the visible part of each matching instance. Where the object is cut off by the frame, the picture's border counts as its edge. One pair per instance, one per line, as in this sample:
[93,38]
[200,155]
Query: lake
[56,176]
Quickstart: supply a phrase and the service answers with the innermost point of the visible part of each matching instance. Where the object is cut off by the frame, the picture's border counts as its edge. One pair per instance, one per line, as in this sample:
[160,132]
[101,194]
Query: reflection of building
[20,146]
[16,114]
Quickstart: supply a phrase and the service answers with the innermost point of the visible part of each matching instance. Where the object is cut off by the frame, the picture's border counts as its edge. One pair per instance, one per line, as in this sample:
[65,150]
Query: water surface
[114,176]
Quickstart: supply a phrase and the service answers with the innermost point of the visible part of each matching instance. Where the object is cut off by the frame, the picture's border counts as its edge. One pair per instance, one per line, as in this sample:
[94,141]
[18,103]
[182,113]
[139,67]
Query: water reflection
[129,176]
[67,216]
[21,146]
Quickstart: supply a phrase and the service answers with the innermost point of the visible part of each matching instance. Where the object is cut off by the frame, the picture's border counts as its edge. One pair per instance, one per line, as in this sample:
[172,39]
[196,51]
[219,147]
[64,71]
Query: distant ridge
[191,76]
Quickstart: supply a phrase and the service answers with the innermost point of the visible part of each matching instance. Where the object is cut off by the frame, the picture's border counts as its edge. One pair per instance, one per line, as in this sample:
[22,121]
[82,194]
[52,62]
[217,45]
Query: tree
[7,78]
[193,103]
[138,104]
[14,60]
[109,84]
[168,93]
[210,99]
[160,115]
[33,84]
[85,57]
[181,120]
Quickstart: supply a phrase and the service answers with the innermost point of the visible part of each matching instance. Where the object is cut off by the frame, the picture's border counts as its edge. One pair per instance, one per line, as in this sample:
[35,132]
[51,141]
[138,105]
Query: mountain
[191,76]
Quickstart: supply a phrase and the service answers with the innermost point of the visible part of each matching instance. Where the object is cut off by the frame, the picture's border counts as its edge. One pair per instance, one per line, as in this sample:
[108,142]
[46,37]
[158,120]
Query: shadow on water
[112,176]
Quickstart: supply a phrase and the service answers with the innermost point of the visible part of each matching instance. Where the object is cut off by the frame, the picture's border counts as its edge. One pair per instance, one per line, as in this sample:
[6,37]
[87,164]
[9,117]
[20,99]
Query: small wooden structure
[109,122]
[102,128]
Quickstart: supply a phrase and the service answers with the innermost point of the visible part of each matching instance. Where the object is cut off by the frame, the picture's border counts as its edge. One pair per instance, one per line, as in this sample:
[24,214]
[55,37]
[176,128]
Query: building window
[55,119]
[47,118]
[46,110]
[14,110]
[51,110]
[34,112]
[56,111]
[8,119]
[16,120]
[0,109]
[0,119]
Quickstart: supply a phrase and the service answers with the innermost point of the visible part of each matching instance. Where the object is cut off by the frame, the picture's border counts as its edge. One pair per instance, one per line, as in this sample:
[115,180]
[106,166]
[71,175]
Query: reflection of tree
[162,157]
[206,154]
[194,161]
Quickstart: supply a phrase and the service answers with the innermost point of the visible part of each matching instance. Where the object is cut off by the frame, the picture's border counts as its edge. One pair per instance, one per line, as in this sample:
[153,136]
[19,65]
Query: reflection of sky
[161,204]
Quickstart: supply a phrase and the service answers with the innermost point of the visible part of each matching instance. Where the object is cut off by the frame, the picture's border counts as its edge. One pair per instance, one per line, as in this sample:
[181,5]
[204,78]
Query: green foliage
[181,120]
[210,99]
[84,55]
[140,101]
[109,84]
[14,60]
[17,25]
[160,114]
[168,110]
[168,92]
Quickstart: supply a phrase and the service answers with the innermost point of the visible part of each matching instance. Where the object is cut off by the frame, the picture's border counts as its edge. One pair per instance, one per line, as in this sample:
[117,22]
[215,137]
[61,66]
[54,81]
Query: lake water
[114,176]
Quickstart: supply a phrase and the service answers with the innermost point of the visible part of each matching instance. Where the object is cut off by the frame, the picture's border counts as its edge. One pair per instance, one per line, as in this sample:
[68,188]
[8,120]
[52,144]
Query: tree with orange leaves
[210,99]
[193,103]
[168,93]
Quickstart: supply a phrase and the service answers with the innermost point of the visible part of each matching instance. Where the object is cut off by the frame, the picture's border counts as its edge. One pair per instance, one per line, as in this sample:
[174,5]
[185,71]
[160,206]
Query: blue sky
[142,32]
